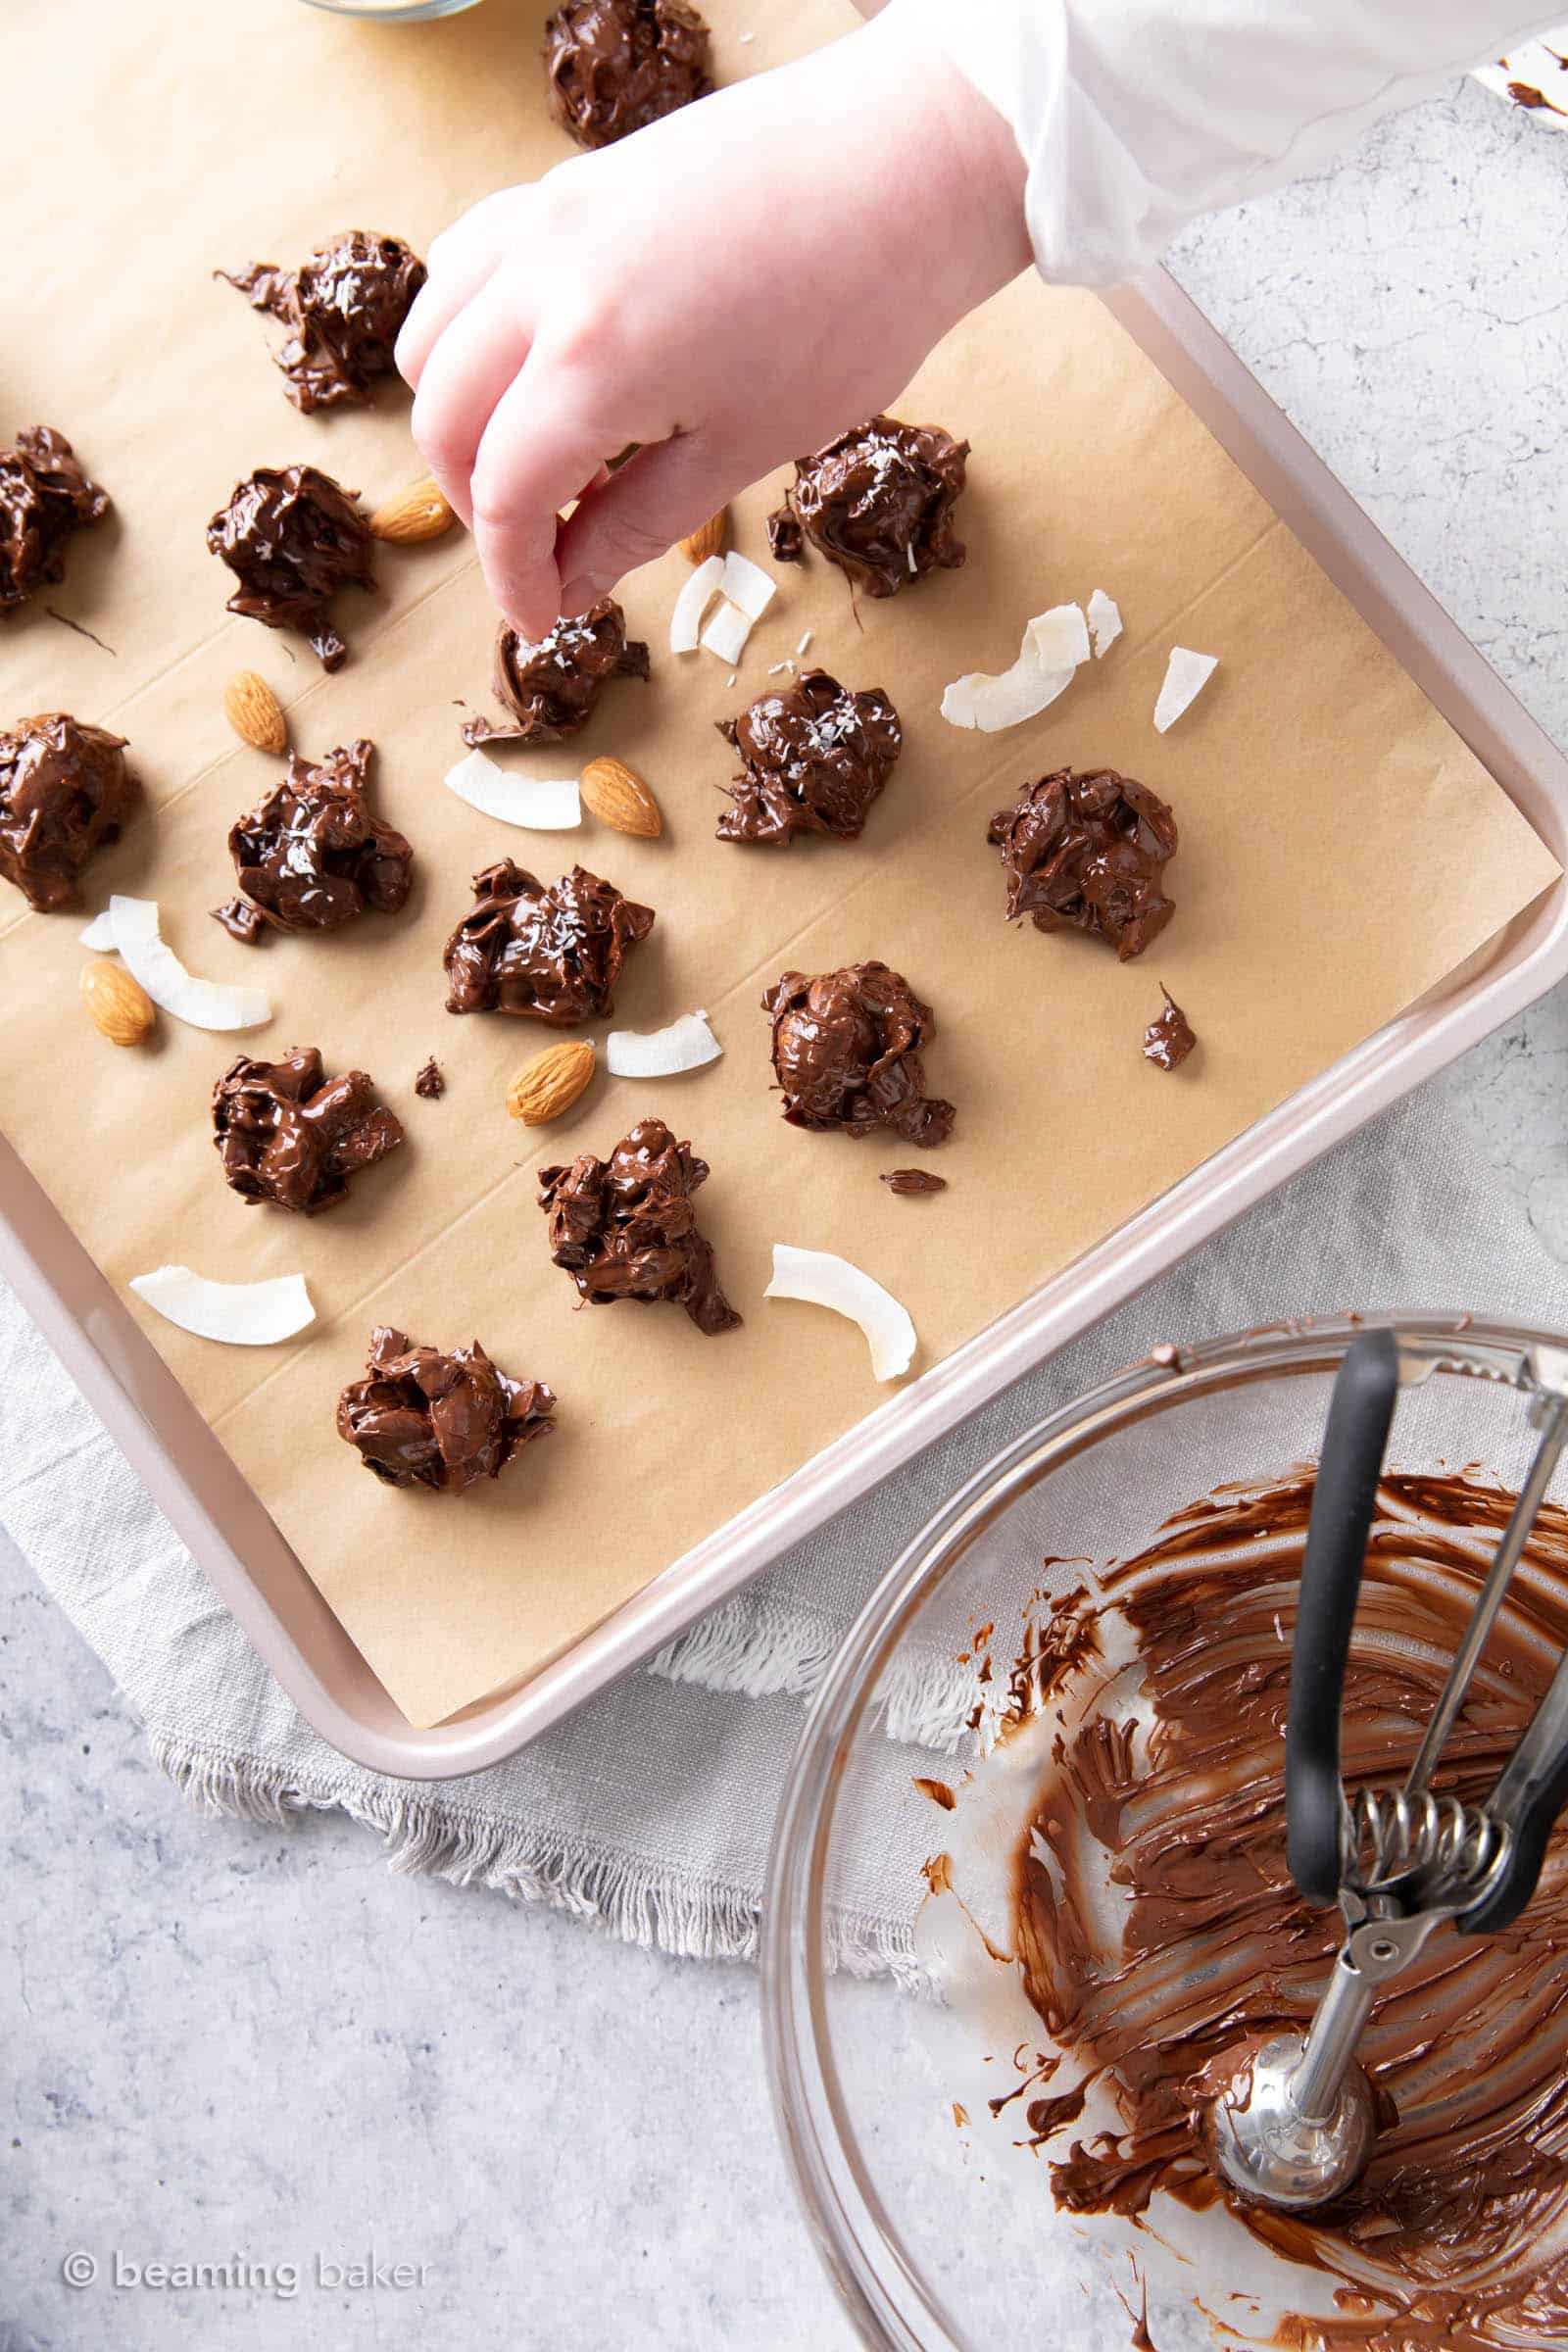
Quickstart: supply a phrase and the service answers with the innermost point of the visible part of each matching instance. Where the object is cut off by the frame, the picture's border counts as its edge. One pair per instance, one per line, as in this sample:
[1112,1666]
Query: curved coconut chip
[539,804]
[683,1045]
[1185,675]
[204,1004]
[1056,644]
[244,1315]
[747,585]
[817,1278]
[698,591]
[726,633]
[1104,621]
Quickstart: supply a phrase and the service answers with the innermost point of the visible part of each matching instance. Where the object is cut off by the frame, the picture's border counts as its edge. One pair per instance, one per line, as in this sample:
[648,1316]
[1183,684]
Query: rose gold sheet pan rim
[264,1584]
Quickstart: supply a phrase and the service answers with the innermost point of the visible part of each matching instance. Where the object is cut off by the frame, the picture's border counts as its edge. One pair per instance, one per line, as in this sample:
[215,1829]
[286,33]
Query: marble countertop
[234,2044]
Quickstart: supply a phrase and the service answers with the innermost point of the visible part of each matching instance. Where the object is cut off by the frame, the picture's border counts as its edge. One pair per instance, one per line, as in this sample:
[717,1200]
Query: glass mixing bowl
[407,12]
[938,2227]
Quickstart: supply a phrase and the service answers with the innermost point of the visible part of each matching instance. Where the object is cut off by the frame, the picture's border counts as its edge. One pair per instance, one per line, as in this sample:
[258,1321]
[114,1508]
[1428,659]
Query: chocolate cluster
[552,687]
[847,1054]
[913,1184]
[65,792]
[293,537]
[625,1228]
[45,499]
[814,757]
[425,1418]
[1169,1037]
[1087,853]
[617,64]
[288,1133]
[878,503]
[343,309]
[550,953]
[313,854]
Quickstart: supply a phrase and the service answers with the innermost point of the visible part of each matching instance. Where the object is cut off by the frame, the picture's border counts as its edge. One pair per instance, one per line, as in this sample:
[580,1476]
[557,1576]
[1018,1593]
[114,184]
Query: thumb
[659,496]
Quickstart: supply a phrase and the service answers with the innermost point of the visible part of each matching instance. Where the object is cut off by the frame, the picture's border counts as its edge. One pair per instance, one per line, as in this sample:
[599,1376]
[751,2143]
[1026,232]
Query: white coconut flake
[820,1279]
[726,633]
[806,640]
[1104,621]
[1059,638]
[1055,646]
[99,934]
[732,676]
[683,1045]
[204,1004]
[698,591]
[747,585]
[245,1315]
[539,804]
[1185,675]
[994,703]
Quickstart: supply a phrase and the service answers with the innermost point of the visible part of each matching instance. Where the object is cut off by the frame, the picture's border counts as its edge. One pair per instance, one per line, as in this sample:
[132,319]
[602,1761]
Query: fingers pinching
[640,510]
[538,451]
[460,259]
[474,361]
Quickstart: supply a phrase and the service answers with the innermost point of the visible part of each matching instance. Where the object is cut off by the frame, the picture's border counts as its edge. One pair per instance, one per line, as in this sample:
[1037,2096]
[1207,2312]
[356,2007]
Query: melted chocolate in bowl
[1157,1927]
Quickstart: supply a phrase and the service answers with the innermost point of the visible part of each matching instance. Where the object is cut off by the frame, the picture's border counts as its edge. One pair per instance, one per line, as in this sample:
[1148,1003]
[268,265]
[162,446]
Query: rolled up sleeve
[1136,116]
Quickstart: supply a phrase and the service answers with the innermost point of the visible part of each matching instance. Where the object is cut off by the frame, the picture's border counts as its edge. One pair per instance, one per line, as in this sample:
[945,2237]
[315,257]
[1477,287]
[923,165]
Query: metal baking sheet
[262,1581]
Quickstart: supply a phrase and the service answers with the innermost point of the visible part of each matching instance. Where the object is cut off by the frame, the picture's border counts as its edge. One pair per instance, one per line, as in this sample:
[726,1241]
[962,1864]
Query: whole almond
[551,1083]
[709,541]
[416,513]
[619,798]
[120,1006]
[255,712]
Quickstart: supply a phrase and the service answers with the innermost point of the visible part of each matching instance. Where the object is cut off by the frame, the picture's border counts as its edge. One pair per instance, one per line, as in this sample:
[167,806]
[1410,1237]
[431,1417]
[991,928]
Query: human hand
[728,288]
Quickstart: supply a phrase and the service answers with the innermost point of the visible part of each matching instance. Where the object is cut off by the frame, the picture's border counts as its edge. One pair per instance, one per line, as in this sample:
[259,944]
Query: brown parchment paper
[1341,850]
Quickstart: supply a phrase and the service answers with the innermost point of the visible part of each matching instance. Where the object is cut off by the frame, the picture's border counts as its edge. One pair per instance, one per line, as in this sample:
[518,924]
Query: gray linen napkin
[650,1810]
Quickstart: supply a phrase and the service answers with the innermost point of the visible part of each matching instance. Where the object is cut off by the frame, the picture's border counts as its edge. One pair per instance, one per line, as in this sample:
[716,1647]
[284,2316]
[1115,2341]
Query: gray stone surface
[229,2045]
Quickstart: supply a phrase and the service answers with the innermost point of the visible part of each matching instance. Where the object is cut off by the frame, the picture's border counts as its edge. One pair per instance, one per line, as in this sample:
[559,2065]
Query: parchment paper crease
[1341,850]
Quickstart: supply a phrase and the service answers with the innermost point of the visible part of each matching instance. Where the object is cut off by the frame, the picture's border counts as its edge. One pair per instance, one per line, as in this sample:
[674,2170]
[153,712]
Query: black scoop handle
[1344,1498]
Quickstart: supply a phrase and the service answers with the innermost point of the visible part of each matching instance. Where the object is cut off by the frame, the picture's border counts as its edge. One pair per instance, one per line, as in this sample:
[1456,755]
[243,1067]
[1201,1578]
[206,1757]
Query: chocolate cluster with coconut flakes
[552,687]
[547,953]
[45,499]
[847,1054]
[314,853]
[343,307]
[290,1135]
[625,1228]
[878,503]
[1087,853]
[293,537]
[65,794]
[424,1417]
[615,65]
[815,757]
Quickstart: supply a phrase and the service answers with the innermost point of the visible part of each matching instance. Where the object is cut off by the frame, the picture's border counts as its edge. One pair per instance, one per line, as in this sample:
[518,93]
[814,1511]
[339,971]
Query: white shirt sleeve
[1135,116]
